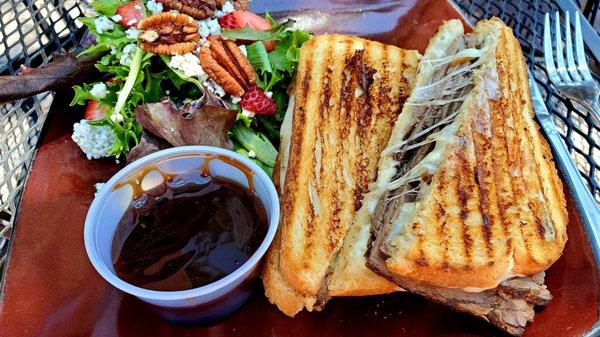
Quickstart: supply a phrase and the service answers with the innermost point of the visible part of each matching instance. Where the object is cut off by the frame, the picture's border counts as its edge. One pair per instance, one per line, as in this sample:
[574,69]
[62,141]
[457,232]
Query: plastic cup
[198,305]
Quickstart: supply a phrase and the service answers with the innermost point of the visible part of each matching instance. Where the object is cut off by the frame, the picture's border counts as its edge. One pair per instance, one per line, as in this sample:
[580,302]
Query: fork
[573,79]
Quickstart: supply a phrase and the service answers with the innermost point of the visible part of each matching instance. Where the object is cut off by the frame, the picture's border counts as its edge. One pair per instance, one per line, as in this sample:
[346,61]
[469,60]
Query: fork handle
[589,210]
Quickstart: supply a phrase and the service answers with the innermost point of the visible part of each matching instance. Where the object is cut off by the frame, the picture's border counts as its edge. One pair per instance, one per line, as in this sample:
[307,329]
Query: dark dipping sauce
[192,230]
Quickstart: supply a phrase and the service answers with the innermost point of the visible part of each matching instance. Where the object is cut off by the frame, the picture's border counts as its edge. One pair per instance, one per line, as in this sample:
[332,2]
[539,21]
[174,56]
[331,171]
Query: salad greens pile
[133,77]
[274,69]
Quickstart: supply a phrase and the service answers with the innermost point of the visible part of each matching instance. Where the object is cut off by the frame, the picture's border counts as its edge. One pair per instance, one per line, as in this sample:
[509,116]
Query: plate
[51,289]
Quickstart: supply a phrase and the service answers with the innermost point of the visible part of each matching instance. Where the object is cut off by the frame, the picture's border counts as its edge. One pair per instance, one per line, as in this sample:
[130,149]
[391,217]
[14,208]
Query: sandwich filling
[436,106]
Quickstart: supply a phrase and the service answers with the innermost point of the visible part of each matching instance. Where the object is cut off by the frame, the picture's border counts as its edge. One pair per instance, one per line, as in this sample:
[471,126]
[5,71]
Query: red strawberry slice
[131,13]
[241,19]
[94,111]
[256,100]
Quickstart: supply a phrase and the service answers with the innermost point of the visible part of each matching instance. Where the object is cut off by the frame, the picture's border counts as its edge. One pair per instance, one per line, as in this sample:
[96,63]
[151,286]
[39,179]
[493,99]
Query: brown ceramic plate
[51,289]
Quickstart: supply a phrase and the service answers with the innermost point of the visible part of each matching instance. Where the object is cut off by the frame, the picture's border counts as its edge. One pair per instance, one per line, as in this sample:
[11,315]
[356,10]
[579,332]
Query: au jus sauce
[192,230]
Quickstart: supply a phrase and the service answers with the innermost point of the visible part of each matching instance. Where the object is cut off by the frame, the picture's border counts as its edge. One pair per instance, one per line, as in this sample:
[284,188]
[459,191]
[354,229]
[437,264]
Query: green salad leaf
[274,71]
[254,141]
[107,7]
[251,34]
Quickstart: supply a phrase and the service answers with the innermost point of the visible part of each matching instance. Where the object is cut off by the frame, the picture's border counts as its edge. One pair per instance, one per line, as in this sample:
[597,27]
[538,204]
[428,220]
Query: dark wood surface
[51,289]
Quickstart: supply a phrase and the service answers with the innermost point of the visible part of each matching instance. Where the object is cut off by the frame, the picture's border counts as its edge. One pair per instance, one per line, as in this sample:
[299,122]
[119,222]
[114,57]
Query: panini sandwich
[470,209]
[346,97]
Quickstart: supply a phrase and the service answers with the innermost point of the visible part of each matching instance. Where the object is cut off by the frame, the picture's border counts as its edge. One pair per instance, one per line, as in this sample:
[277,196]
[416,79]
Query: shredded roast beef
[509,306]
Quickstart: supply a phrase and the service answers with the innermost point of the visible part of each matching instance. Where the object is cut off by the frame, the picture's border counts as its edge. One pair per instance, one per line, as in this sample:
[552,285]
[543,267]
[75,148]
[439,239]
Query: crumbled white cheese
[211,86]
[209,27]
[94,140]
[116,18]
[235,99]
[99,91]
[243,50]
[98,187]
[247,113]
[127,51]
[132,33]
[188,64]
[116,117]
[154,7]
[132,22]
[227,8]
[269,94]
[103,24]
[251,154]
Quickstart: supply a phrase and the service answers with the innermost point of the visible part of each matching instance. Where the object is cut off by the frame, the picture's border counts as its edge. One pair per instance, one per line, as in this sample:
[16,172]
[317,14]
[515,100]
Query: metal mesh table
[30,31]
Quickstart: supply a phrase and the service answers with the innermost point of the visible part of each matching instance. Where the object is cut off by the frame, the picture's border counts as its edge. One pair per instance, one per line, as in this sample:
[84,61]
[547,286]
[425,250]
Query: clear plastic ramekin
[198,305]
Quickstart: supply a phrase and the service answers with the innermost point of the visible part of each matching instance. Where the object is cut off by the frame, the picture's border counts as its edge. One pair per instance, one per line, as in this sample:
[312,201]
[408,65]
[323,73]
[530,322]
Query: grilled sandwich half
[347,95]
[470,208]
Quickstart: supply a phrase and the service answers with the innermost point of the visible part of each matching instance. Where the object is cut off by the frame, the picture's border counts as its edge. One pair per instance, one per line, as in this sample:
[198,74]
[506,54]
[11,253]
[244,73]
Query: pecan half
[225,64]
[198,9]
[168,34]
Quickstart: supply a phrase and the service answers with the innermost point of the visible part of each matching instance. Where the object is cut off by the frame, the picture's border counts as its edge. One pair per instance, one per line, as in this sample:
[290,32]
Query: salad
[185,72]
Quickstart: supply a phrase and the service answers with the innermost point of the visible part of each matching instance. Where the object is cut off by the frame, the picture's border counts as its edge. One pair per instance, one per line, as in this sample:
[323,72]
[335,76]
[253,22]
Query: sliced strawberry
[131,13]
[241,19]
[93,111]
[256,100]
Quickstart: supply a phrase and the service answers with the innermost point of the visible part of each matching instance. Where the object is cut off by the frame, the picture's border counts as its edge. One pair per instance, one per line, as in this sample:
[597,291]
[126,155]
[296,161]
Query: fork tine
[582,64]
[571,66]
[548,57]
[560,60]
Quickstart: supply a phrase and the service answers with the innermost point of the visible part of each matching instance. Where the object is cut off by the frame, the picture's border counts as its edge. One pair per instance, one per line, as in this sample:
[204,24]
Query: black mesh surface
[30,31]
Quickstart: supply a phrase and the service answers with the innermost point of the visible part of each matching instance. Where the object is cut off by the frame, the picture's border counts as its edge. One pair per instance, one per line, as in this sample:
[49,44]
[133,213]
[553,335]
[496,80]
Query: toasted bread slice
[348,94]
[351,276]
[490,203]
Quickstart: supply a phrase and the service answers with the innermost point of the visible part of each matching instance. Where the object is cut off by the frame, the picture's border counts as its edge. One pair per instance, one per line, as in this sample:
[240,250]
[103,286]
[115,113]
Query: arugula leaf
[252,34]
[107,7]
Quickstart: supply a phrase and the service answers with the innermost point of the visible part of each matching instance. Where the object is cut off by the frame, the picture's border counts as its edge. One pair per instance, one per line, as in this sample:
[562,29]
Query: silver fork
[573,79]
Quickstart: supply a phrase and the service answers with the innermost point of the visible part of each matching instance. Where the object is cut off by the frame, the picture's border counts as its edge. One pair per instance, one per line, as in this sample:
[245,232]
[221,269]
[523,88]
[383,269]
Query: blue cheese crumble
[94,140]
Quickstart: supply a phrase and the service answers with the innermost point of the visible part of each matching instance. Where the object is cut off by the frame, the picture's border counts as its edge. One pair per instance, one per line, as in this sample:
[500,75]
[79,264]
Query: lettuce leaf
[254,141]
[251,34]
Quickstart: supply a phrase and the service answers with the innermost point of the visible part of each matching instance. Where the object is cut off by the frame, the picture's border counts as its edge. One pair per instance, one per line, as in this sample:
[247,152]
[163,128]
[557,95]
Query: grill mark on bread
[499,160]
[442,216]
[499,170]
[463,197]
[481,146]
